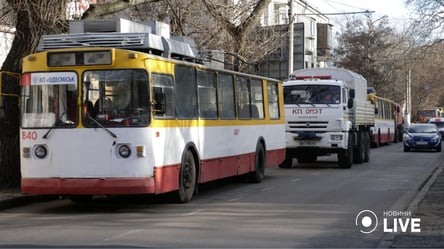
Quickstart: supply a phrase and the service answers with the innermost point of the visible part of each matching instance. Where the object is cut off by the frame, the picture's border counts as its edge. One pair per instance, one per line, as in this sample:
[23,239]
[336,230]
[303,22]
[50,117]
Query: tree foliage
[428,23]
[372,48]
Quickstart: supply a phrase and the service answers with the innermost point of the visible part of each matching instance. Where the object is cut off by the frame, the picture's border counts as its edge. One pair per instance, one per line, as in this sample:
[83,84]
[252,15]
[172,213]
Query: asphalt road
[311,206]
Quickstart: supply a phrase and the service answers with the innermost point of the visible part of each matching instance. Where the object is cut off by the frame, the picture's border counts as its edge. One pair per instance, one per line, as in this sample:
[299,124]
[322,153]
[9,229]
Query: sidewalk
[431,211]
[13,197]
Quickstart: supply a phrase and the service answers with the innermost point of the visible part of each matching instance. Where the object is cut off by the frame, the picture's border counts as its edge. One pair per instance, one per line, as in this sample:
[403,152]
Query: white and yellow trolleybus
[102,114]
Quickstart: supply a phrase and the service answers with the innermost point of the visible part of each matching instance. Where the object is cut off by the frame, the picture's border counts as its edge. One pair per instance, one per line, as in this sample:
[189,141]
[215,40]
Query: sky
[395,10]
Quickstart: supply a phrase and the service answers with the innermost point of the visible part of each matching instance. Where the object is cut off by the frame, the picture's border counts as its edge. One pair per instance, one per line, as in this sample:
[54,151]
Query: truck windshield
[312,94]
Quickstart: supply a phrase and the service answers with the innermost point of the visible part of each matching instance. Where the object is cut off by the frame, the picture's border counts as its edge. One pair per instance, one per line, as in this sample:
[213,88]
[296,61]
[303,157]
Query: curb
[25,199]
[388,239]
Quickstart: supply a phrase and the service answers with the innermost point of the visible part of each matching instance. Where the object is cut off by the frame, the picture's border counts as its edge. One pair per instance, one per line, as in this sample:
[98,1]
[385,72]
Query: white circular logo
[366,221]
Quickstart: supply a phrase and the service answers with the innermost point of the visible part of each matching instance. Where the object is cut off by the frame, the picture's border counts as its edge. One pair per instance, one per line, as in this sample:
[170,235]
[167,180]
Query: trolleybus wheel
[187,178]
[259,165]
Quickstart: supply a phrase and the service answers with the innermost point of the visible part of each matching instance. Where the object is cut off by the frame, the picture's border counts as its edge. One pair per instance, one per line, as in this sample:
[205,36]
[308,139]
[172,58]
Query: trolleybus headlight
[124,151]
[40,151]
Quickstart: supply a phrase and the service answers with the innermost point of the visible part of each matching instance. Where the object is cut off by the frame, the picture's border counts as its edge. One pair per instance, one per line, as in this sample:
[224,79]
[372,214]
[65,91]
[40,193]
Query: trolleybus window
[206,82]
[49,99]
[186,91]
[116,98]
[273,100]
[163,84]
[225,94]
[243,98]
[257,99]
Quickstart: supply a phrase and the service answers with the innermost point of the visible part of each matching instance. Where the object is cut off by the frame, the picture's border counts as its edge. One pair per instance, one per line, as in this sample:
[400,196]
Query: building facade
[311,37]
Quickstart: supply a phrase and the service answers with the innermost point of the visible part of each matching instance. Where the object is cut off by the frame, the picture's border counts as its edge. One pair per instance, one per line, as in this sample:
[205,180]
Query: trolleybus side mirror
[376,111]
[159,103]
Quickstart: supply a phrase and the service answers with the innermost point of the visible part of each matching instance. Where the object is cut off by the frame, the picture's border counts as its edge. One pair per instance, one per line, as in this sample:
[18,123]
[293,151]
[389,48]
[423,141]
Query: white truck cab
[327,112]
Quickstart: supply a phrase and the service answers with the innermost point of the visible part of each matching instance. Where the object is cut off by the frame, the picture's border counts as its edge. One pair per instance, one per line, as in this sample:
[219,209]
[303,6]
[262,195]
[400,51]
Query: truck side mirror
[352,93]
[350,103]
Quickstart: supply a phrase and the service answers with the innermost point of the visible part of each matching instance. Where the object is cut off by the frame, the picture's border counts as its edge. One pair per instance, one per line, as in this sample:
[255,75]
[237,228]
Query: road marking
[123,234]
[295,180]
[234,199]
[191,213]
[266,189]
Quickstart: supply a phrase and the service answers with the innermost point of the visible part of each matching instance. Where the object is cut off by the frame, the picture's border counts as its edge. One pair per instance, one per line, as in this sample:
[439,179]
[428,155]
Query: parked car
[421,137]
[439,122]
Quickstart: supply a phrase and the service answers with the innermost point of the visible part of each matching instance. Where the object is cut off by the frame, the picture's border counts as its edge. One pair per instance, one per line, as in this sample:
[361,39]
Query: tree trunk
[33,18]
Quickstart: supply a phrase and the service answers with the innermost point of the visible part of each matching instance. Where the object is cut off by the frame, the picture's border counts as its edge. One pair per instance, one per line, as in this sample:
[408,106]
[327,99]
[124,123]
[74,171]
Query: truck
[327,112]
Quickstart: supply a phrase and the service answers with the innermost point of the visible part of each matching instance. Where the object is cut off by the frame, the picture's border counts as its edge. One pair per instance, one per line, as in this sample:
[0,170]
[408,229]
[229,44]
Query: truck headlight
[336,137]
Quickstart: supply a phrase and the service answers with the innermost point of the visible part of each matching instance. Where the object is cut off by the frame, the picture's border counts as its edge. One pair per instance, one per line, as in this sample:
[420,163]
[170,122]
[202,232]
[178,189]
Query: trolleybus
[389,121]
[105,120]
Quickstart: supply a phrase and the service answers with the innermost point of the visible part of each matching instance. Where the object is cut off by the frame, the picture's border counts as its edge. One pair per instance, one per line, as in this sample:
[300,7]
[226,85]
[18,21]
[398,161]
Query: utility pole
[291,37]
[408,102]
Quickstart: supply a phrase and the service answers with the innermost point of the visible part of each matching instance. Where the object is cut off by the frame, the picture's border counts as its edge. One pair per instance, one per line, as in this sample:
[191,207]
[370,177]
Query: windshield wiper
[53,126]
[47,133]
[101,126]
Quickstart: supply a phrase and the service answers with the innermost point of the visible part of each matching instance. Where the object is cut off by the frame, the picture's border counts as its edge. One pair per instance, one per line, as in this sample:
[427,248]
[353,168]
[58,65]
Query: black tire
[345,157]
[388,137]
[439,148]
[258,174]
[359,150]
[406,149]
[287,163]
[187,178]
[367,146]
[379,138]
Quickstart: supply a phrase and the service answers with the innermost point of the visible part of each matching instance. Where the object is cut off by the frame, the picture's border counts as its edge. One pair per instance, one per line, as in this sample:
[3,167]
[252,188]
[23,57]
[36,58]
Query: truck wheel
[367,146]
[359,151]
[287,163]
[345,157]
